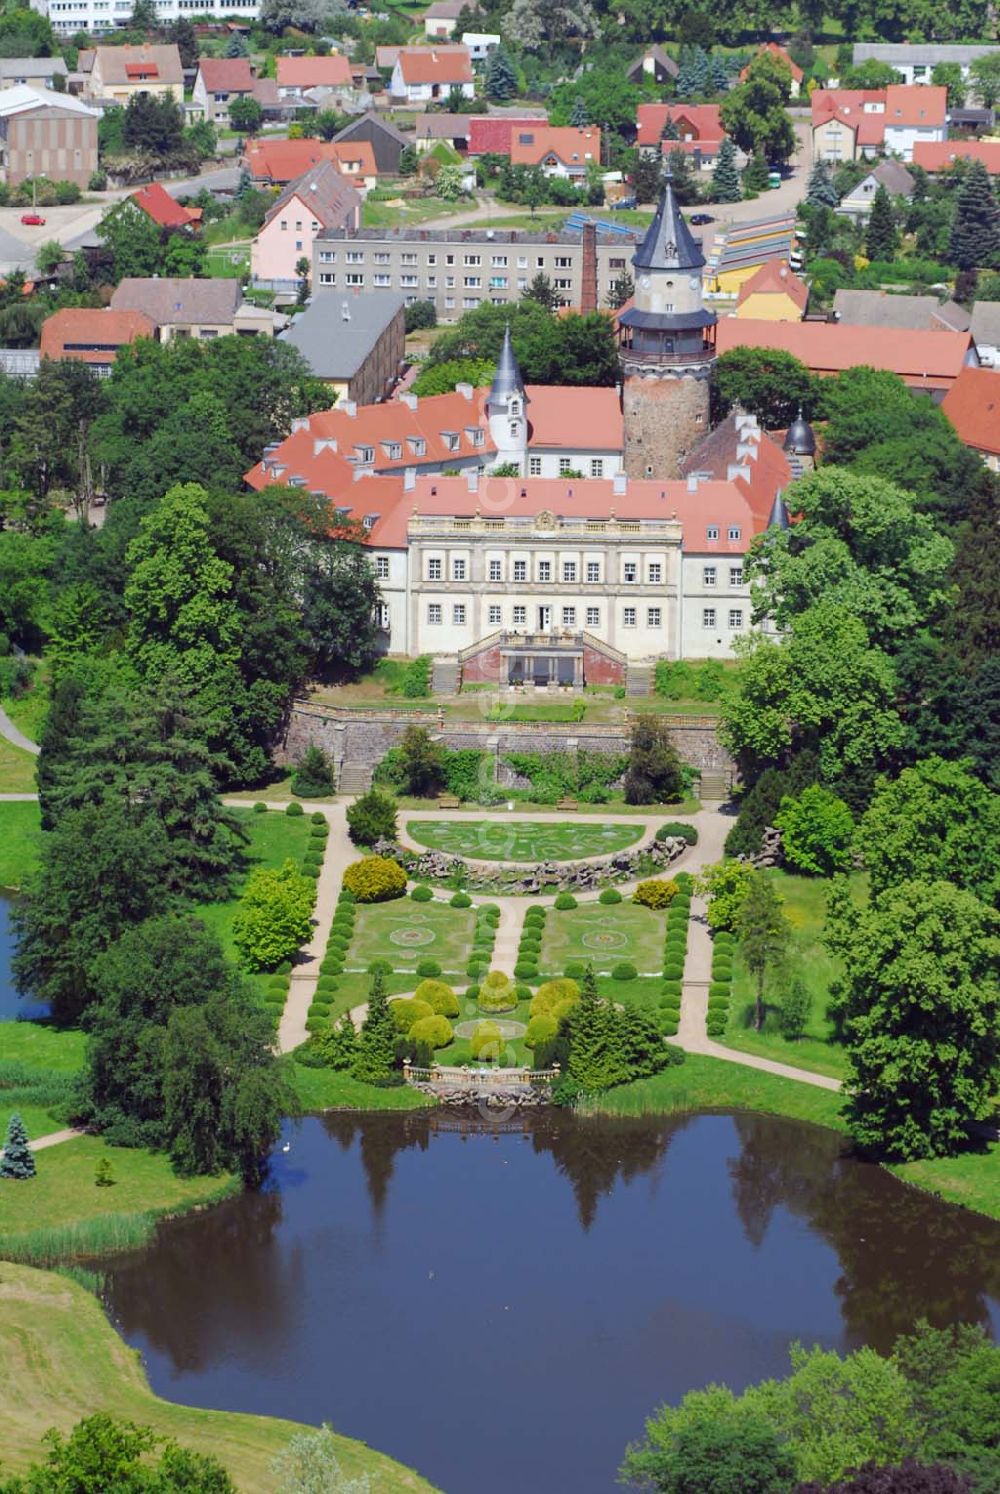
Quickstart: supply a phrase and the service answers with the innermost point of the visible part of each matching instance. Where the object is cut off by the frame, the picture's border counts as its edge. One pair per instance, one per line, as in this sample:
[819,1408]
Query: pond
[12,1005]
[502,1306]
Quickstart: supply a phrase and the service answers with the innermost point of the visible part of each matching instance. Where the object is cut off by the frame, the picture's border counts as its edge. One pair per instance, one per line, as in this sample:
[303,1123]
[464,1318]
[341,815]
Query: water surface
[501,1309]
[12,1005]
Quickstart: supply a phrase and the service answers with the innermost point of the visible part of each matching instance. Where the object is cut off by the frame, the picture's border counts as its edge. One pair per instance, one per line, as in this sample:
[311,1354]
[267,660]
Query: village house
[564,151]
[440,19]
[422,75]
[219,81]
[915,61]
[297,75]
[781,54]
[119,73]
[92,335]
[774,293]
[354,342]
[200,308]
[874,308]
[848,123]
[892,175]
[972,405]
[698,127]
[941,155]
[320,199]
[275,163]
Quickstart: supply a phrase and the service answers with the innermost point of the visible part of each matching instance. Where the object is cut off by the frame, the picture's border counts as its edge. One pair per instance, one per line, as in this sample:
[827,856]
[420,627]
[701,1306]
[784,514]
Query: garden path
[15,736]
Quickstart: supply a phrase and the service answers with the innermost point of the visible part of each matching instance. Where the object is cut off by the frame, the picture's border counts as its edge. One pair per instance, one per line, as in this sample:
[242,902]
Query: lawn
[520,840]
[406,932]
[603,936]
[38,1064]
[332,1089]
[17,769]
[229,263]
[29,709]
[972,1179]
[38,1045]
[20,837]
[275,837]
[60,1360]
[805,908]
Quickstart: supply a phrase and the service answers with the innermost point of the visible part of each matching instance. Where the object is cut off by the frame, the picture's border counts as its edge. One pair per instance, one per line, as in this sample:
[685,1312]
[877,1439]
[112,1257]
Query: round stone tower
[667,347]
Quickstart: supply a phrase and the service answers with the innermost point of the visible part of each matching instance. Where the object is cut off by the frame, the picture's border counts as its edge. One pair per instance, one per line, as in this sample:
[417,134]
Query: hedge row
[530,948]
[721,985]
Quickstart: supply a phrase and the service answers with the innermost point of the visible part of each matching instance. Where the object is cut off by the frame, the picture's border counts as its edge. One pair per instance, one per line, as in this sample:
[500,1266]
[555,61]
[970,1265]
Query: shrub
[668,1026]
[715,1029]
[472,992]
[496,992]
[540,1029]
[346,897]
[274,916]
[409,1010]
[672,970]
[293,810]
[574,969]
[624,970]
[610,895]
[487,1041]
[817,830]
[564,902]
[325,983]
[436,1031]
[490,910]
[655,893]
[336,966]
[535,914]
[722,970]
[376,879]
[675,830]
[718,990]
[421,893]
[311,857]
[554,995]
[380,967]
[523,992]
[319,818]
[312,872]
[671,988]
[370,818]
[428,969]
[326,968]
[525,970]
[260,808]
[313,776]
[439,997]
[684,880]
[460,900]
[531,941]
[675,947]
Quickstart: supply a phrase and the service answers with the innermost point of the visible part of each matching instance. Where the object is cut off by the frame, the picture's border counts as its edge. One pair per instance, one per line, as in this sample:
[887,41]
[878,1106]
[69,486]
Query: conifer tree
[670,130]
[756,176]
[881,239]
[726,181]
[376,1052]
[764,933]
[501,78]
[820,191]
[339,1046]
[586,1034]
[975,228]
[18,1160]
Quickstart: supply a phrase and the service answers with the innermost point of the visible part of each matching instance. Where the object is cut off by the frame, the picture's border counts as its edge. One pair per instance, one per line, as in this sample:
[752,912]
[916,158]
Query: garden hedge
[428,969]
[375,879]
[656,893]
[540,1029]
[260,808]
[675,829]
[496,992]
[421,893]
[436,1031]
[409,1010]
[554,997]
[525,971]
[439,997]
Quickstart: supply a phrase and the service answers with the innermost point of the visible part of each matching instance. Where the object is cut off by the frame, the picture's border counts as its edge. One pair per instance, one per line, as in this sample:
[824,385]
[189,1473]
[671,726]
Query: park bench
[449,801]
[569,804]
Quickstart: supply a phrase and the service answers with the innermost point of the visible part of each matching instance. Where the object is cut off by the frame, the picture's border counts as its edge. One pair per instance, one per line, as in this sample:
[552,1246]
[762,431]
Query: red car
[33,220]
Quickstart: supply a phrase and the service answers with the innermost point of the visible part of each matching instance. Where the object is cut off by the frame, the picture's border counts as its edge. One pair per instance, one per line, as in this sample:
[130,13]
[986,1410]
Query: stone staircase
[445,675]
[355,778]
[714,786]
[639,680]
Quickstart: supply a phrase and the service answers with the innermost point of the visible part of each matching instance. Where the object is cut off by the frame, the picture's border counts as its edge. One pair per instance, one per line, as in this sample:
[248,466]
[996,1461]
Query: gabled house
[698,126]
[852,122]
[440,19]
[892,175]
[424,74]
[985,329]
[219,81]
[772,49]
[277,162]
[34,72]
[493,133]
[874,308]
[972,405]
[119,73]
[560,150]
[45,133]
[655,65]
[200,308]
[92,335]
[942,154]
[297,75]
[773,294]
[320,199]
[157,203]
[386,141]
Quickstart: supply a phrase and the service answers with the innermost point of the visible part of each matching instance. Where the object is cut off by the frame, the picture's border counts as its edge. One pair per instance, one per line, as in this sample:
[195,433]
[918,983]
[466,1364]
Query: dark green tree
[756,176]
[726,185]
[183,34]
[376,1051]
[770,384]
[246,115]
[103,1453]
[622,290]
[313,775]
[720,1449]
[17,1160]
[647,177]
[540,291]
[655,774]
[579,116]
[763,932]
[339,598]
[501,78]
[881,235]
[371,817]
[422,763]
[975,228]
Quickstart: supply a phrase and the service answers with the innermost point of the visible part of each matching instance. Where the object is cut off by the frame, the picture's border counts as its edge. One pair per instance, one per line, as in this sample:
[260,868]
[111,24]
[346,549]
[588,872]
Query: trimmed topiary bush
[564,902]
[610,895]
[671,988]
[476,969]
[260,808]
[487,1042]
[496,992]
[312,872]
[526,971]
[624,970]
[540,1029]
[376,879]
[408,1010]
[719,990]
[460,900]
[436,1031]
[372,817]
[346,896]
[318,818]
[574,969]
[422,893]
[535,914]
[428,969]
[672,970]
[523,992]
[294,810]
[439,997]
[471,992]
[554,997]
[656,893]
[380,967]
[676,830]
[490,910]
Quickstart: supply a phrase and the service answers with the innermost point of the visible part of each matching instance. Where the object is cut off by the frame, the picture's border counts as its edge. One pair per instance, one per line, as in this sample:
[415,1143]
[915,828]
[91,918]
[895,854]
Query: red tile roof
[435,64]
[848,105]
[314,72]
[226,74]
[157,202]
[925,359]
[532,144]
[740,442]
[775,278]
[972,404]
[92,335]
[702,122]
[283,161]
[492,132]
[321,449]
[938,155]
[783,56]
[916,104]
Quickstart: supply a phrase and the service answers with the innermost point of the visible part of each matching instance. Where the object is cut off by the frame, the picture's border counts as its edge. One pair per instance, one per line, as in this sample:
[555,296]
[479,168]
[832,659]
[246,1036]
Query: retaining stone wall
[365,737]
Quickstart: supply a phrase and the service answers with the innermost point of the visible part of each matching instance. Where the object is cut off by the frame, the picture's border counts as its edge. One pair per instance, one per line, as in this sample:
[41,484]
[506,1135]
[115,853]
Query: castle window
[736,618]
[593,617]
[434,613]
[545,570]
[382,567]
[458,570]
[708,617]
[736,575]
[520,615]
[495,617]
[515,409]
[655,573]
[458,615]
[569,570]
[630,571]
[520,570]
[496,570]
[654,617]
[628,617]
[593,570]
[708,575]
[534,466]
[569,617]
[597,467]
[434,570]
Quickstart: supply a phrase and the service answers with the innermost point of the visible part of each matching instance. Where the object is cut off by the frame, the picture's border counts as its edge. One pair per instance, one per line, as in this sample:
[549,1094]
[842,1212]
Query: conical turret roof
[669,243]
[779,514]
[507,380]
[800,437]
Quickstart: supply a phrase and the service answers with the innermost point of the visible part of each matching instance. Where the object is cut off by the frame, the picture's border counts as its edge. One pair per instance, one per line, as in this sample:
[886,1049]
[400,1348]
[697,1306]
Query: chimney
[349,407]
[409,479]
[588,269]
[409,400]
[472,479]
[465,390]
[620,484]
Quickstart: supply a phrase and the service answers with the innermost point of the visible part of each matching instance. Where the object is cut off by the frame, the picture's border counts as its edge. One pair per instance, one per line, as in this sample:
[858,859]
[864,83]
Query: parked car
[700,218]
[626,202]
[33,220]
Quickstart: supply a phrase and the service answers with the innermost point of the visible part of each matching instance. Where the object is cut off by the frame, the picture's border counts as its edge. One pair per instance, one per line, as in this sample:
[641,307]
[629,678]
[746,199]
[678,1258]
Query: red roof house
[492,133]
[165,212]
[296,74]
[972,404]
[698,125]
[92,334]
[560,150]
[927,360]
[938,155]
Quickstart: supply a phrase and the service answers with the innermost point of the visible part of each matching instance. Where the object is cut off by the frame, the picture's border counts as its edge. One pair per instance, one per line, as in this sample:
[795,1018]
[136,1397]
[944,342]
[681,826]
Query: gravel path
[16,737]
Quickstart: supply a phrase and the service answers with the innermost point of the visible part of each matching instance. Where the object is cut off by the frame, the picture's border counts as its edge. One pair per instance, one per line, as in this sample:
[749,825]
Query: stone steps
[640,679]
[355,778]
[445,675]
[714,786]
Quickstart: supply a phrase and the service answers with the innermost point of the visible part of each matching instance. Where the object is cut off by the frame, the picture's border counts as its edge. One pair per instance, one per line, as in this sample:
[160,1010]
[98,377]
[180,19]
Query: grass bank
[17,769]
[60,1360]
[20,837]
[330,1089]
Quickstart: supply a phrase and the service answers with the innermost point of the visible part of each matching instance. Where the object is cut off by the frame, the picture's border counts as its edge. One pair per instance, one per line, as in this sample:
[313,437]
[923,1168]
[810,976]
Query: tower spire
[507,380]
[669,244]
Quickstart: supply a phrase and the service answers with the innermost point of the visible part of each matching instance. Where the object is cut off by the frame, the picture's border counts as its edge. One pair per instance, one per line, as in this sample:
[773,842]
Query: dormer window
[417,445]
[712,532]
[366,454]
[735,532]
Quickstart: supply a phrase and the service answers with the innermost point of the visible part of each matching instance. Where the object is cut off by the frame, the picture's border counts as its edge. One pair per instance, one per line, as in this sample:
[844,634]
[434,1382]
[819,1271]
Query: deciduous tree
[763,932]
[274,918]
